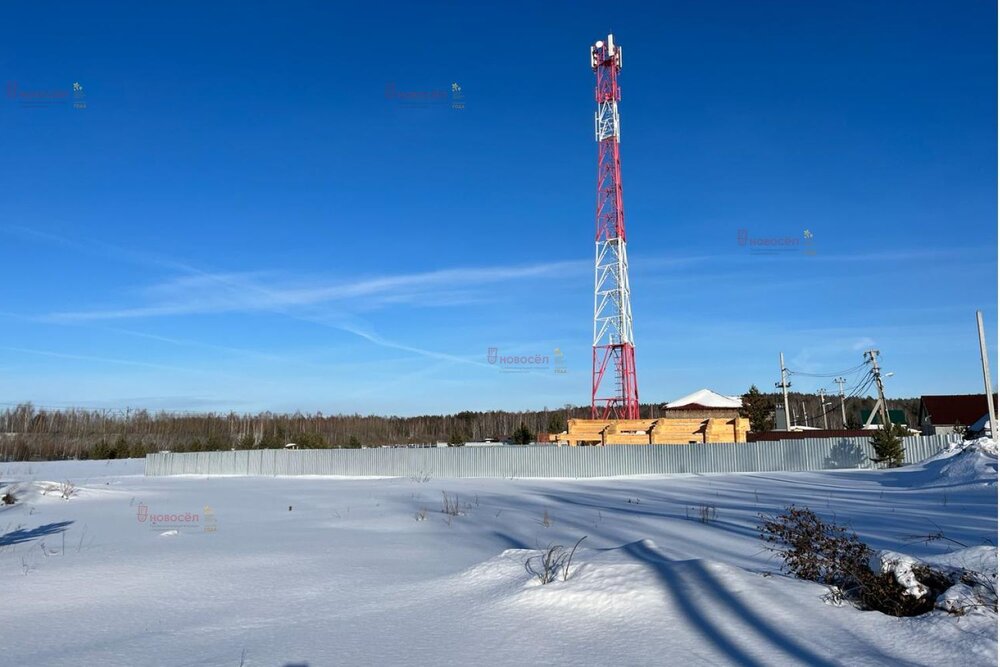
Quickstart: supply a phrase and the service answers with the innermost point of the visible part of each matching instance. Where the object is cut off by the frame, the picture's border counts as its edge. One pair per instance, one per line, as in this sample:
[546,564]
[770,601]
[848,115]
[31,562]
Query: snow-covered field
[322,571]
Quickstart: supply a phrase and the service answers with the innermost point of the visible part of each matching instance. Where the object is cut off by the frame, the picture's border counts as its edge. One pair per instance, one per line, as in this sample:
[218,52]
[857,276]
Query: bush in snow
[898,585]
[449,505]
[8,498]
[975,591]
[552,563]
[813,549]
[818,551]
[66,490]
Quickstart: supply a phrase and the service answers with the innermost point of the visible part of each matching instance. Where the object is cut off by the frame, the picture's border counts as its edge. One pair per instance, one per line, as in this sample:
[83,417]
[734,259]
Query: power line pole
[822,407]
[872,357]
[805,415]
[843,410]
[784,385]
[984,357]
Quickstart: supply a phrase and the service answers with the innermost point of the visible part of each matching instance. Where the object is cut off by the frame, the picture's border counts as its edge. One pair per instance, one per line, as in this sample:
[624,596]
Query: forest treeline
[30,433]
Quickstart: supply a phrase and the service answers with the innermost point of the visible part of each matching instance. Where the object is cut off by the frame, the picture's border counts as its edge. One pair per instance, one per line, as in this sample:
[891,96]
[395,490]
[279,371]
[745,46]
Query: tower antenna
[614,348]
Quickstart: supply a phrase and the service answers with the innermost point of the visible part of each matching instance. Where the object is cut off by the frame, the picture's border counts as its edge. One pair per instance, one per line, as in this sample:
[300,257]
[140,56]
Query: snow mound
[971,571]
[600,582]
[40,491]
[978,559]
[984,445]
[972,462]
[975,570]
[619,582]
[60,490]
[596,581]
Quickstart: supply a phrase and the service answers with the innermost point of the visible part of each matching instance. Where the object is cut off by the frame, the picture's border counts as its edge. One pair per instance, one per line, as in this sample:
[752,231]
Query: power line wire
[856,392]
[825,375]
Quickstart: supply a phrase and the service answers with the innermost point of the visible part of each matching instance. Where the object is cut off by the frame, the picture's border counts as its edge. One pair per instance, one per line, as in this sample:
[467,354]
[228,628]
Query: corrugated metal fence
[512,461]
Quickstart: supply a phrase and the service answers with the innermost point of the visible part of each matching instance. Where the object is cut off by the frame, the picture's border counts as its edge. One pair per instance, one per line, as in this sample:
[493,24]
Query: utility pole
[872,356]
[984,357]
[822,407]
[784,385]
[805,415]
[843,410]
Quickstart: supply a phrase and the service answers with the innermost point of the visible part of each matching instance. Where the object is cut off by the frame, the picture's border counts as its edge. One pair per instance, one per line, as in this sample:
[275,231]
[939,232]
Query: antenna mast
[614,348]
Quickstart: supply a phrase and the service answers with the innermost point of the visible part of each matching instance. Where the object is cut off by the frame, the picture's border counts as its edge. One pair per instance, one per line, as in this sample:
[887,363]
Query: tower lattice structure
[615,392]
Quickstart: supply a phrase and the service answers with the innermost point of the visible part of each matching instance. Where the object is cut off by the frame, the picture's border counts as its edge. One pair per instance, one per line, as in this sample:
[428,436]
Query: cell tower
[613,343]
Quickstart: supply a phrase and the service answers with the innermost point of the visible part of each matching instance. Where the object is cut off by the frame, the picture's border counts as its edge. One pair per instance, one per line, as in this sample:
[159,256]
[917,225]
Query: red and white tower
[615,393]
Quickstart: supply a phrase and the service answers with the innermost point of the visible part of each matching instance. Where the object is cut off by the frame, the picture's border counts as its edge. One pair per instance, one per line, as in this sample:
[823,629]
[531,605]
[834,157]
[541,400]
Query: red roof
[965,409]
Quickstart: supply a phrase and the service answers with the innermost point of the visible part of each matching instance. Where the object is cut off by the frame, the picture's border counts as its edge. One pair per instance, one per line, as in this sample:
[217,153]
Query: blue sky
[248,215]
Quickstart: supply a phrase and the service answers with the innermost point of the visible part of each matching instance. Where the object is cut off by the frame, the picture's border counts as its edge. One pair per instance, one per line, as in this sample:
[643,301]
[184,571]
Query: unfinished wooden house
[702,417]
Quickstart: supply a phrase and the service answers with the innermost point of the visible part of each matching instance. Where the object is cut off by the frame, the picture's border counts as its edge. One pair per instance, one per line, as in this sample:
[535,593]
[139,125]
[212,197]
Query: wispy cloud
[204,292]
[195,291]
[184,342]
[99,249]
[101,360]
[383,342]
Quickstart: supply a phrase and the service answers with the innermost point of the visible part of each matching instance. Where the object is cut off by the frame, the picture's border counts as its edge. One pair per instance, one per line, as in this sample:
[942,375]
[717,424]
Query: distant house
[940,414]
[704,404]
[895,416]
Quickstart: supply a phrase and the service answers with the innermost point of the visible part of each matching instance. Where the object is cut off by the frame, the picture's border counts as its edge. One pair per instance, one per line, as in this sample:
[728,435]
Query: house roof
[706,398]
[895,416]
[965,409]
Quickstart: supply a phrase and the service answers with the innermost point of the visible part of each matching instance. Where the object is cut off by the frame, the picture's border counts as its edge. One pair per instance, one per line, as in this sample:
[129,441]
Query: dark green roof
[895,416]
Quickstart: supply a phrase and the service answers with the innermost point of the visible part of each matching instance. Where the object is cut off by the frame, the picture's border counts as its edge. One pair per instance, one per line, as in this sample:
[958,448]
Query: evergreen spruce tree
[557,423]
[757,408]
[523,435]
[888,445]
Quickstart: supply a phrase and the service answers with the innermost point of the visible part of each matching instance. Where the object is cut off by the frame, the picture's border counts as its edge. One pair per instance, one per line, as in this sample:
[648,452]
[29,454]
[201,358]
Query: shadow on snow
[23,534]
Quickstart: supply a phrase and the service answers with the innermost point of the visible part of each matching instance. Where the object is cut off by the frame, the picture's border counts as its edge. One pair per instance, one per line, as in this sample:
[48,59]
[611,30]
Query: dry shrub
[450,505]
[552,562]
[815,550]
